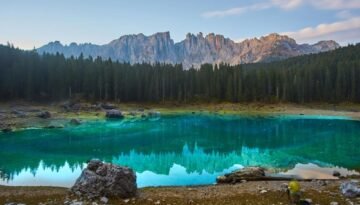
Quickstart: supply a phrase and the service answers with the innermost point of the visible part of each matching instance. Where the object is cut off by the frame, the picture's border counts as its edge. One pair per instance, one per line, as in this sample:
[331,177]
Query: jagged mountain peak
[276,37]
[329,44]
[141,36]
[194,50]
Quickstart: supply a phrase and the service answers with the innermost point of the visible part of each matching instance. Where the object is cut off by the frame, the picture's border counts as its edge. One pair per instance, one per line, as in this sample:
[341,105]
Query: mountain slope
[194,50]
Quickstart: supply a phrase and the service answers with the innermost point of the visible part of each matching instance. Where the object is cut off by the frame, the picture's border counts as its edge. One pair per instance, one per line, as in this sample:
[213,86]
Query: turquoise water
[187,149]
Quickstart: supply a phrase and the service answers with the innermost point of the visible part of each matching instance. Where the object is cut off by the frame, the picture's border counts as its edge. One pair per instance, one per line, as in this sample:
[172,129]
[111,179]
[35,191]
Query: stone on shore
[350,189]
[114,114]
[18,113]
[75,122]
[44,115]
[154,114]
[105,180]
[108,106]
[6,129]
[336,173]
[247,173]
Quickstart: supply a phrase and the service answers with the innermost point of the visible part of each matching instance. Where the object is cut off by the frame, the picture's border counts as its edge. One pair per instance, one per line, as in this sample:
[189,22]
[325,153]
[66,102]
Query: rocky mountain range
[194,50]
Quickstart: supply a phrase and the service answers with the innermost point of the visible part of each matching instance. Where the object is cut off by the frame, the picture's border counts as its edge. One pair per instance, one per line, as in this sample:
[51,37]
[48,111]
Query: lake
[186,149]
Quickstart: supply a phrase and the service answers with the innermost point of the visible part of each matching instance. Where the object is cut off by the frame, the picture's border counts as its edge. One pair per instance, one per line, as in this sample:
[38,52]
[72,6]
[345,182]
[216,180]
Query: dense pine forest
[326,77]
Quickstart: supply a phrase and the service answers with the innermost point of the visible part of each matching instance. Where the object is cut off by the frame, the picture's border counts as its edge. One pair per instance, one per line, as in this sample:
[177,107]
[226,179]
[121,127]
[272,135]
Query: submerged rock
[54,126]
[247,173]
[44,115]
[350,189]
[75,122]
[101,179]
[6,129]
[154,114]
[114,114]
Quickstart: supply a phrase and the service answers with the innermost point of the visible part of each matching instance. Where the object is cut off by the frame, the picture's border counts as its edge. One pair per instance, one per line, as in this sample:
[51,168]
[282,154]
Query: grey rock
[54,126]
[104,200]
[334,203]
[44,115]
[193,51]
[76,203]
[336,173]
[13,203]
[101,179]
[108,106]
[75,122]
[18,113]
[114,114]
[350,189]
[247,173]
[154,114]
[6,129]
[320,182]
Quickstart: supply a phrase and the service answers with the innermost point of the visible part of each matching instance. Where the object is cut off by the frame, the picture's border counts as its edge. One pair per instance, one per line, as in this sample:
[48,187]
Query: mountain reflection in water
[178,149]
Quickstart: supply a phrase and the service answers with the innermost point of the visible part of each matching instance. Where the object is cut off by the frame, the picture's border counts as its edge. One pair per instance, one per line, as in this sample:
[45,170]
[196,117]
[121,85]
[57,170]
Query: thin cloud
[310,34]
[236,10]
[286,5]
[344,14]
[335,4]
[319,4]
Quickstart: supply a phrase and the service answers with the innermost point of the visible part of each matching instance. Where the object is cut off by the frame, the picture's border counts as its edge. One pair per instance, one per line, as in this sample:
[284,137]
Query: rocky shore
[103,183]
[252,192]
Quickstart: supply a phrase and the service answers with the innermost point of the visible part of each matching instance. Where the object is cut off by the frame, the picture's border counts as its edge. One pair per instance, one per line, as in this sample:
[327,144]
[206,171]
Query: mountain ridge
[193,51]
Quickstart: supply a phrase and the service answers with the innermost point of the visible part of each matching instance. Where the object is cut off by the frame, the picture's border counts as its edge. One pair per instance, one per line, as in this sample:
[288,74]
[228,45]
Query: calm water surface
[179,149]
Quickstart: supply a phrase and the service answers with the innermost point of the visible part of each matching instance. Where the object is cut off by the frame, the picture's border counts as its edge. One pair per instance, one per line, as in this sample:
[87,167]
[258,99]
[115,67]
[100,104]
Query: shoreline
[23,115]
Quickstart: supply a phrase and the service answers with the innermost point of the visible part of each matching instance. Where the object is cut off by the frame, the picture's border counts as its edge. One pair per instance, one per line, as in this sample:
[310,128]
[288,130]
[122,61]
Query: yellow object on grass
[294,186]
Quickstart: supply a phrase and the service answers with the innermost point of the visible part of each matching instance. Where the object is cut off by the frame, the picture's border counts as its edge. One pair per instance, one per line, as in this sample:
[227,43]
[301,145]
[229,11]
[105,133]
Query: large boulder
[350,189]
[102,179]
[114,114]
[247,174]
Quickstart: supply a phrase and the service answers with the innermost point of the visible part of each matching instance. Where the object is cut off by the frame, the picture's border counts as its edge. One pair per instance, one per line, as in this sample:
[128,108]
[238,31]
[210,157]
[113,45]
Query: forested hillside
[326,77]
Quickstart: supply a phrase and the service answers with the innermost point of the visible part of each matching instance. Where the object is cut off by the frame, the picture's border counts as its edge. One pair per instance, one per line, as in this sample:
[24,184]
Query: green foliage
[326,77]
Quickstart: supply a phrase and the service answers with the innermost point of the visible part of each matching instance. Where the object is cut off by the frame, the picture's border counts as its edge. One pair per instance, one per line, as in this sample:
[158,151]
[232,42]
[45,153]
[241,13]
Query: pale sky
[33,23]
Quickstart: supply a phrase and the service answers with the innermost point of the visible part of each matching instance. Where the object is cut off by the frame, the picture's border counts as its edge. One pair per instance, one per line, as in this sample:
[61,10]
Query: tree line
[326,77]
